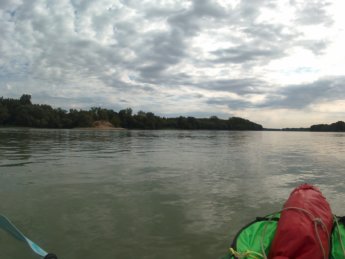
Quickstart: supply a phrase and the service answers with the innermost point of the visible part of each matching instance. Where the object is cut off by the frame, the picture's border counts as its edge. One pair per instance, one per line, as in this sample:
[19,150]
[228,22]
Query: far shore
[98,128]
[103,125]
[76,128]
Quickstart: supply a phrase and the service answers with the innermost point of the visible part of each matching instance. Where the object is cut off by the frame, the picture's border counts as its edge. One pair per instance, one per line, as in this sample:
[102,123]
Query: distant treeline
[295,129]
[337,126]
[21,112]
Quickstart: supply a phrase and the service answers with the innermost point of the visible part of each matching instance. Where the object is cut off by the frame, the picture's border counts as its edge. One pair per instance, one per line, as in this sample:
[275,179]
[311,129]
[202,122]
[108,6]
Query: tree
[3,113]
[125,113]
[115,121]
[25,99]
[337,126]
[141,114]
[126,117]
[99,113]
[21,112]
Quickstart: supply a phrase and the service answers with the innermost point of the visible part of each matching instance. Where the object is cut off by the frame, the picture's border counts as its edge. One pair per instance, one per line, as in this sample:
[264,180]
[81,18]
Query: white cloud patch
[249,58]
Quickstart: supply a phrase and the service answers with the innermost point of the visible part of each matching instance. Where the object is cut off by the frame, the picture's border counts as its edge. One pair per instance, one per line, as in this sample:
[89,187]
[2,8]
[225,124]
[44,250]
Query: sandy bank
[102,125]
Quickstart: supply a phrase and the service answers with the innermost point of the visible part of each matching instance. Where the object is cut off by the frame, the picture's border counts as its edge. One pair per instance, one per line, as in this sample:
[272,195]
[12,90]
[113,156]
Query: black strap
[50,256]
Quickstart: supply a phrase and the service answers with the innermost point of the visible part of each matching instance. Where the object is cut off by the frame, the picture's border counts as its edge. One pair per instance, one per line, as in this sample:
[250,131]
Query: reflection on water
[154,194]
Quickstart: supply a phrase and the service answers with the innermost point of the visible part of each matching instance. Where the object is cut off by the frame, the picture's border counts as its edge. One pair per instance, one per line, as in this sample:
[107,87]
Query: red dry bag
[304,227]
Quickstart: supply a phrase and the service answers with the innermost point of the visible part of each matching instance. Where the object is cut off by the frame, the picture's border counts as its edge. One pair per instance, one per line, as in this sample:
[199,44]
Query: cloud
[169,47]
[241,86]
[318,47]
[207,8]
[202,55]
[296,97]
[233,104]
[304,95]
[312,12]
[242,54]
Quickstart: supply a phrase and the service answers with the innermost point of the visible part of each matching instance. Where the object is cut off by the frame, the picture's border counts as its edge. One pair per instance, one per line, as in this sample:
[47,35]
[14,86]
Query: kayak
[305,228]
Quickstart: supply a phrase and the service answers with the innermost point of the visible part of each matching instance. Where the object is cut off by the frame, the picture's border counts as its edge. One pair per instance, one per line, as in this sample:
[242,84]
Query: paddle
[10,228]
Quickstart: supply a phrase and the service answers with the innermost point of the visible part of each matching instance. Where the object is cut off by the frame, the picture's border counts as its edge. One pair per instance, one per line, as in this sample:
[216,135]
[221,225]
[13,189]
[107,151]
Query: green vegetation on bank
[334,127]
[296,129]
[21,112]
[337,126]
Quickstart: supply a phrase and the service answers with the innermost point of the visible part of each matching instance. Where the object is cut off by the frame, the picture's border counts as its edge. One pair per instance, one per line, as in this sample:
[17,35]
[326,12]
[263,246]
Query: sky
[279,63]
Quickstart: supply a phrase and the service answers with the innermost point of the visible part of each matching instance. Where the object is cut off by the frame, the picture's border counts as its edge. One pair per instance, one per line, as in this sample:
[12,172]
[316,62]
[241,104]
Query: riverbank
[104,125]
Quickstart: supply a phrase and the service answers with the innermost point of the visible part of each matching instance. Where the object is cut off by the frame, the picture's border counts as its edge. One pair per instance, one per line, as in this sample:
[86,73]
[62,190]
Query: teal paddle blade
[10,228]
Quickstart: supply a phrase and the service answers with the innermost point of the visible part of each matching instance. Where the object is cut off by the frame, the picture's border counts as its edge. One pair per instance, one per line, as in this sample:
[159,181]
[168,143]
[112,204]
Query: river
[87,194]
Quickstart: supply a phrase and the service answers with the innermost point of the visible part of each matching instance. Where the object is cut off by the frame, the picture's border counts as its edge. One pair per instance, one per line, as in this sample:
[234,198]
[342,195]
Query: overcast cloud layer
[279,63]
